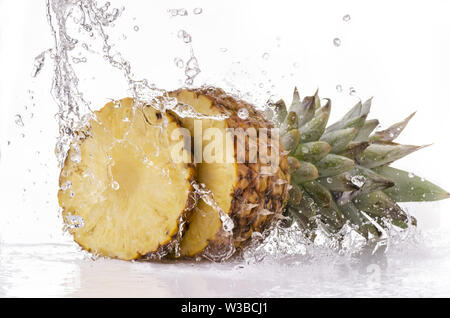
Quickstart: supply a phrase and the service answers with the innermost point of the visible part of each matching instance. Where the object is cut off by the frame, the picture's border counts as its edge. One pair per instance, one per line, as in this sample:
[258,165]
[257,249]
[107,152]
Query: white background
[396,51]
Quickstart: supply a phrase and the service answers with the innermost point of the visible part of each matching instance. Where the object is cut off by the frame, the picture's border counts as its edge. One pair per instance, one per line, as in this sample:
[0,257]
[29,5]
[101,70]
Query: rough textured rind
[258,199]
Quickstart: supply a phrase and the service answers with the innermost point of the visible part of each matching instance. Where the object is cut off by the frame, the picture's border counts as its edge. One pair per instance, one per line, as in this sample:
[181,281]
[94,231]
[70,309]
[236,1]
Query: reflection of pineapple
[251,198]
[340,174]
[121,181]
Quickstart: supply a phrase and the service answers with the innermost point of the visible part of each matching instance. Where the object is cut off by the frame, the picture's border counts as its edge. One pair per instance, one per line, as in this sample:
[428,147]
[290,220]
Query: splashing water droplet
[115,185]
[73,221]
[243,113]
[18,120]
[346,18]
[75,157]
[266,56]
[173,12]
[77,60]
[192,69]
[178,62]
[182,12]
[136,28]
[198,10]
[186,37]
[358,181]
[38,64]
[337,42]
[352,91]
[339,88]
[223,49]
[66,185]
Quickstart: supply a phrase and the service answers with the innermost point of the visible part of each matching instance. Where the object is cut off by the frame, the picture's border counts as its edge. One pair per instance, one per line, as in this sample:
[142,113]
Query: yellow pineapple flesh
[241,190]
[120,179]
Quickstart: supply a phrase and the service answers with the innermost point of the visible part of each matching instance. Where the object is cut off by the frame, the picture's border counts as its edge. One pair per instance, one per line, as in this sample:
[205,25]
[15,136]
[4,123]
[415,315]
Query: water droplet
[75,157]
[192,70]
[243,113]
[182,12]
[337,42]
[223,49]
[358,181]
[266,56]
[198,10]
[178,62]
[66,185]
[38,64]
[346,17]
[136,28]
[115,185]
[18,120]
[339,88]
[73,221]
[77,60]
[329,180]
[186,37]
[352,91]
[410,175]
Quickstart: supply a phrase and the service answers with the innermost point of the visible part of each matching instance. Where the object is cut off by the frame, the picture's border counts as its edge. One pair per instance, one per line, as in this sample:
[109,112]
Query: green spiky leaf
[411,188]
[381,154]
[312,151]
[381,205]
[333,165]
[339,139]
[290,140]
[306,172]
[392,132]
[318,192]
[313,129]
[365,131]
[353,149]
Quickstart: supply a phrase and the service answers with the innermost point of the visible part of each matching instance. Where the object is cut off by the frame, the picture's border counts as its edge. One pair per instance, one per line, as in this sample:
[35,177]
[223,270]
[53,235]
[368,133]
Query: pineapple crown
[340,174]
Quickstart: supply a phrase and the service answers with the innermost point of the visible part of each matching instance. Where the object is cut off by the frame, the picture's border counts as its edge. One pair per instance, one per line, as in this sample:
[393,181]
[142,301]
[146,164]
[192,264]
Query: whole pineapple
[340,174]
[134,200]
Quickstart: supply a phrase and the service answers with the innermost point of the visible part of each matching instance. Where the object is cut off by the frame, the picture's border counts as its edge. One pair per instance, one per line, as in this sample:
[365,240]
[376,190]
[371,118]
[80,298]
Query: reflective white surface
[60,270]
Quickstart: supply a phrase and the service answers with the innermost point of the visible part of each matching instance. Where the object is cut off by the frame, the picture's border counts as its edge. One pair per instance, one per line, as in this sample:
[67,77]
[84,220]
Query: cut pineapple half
[248,197]
[120,182]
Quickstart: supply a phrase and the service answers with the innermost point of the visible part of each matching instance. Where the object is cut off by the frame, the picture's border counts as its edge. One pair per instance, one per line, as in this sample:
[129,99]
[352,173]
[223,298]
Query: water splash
[337,42]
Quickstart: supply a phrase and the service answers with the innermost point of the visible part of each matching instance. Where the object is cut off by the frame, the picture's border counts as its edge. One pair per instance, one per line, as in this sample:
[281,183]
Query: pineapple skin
[254,193]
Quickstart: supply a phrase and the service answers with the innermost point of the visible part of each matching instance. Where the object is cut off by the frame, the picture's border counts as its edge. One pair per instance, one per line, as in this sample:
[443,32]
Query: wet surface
[48,270]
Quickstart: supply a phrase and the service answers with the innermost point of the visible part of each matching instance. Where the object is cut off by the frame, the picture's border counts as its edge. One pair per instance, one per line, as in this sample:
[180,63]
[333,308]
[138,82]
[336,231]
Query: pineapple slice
[121,183]
[250,198]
